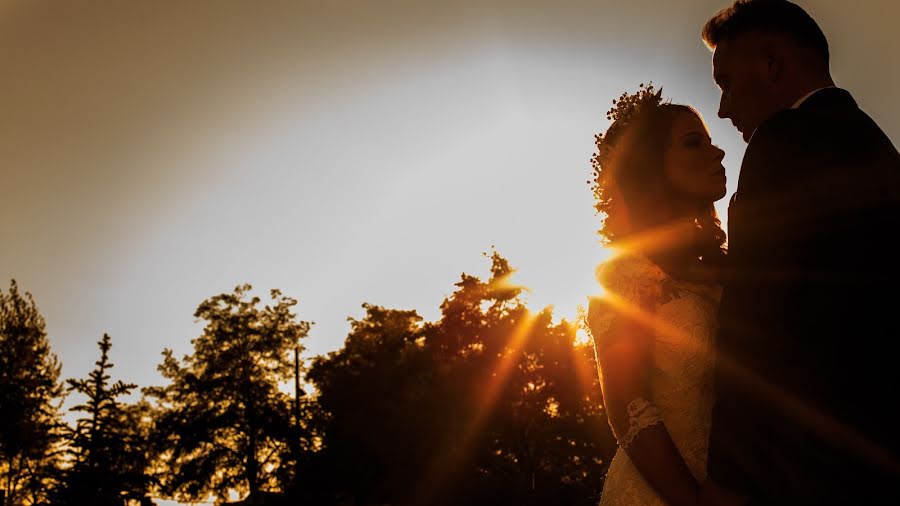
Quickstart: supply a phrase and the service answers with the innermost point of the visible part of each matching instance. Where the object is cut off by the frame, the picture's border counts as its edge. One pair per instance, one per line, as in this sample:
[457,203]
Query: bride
[656,177]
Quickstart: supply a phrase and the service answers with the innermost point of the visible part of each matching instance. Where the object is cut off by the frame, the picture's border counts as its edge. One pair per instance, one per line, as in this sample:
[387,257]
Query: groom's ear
[775,59]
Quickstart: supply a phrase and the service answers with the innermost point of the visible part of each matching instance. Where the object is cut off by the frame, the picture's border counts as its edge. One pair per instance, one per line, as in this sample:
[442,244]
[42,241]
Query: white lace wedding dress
[681,380]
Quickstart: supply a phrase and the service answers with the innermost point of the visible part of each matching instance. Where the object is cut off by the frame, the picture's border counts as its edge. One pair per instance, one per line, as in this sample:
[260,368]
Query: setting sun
[363,160]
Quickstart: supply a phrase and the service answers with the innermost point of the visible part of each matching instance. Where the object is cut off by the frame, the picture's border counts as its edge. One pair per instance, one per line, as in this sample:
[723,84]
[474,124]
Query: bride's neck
[673,246]
[672,236]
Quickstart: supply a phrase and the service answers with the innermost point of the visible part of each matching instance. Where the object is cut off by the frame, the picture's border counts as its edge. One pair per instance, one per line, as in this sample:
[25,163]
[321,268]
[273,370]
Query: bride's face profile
[692,163]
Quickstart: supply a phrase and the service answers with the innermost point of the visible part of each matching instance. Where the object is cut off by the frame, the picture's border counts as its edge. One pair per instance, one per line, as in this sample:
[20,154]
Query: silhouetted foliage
[107,448]
[223,423]
[29,389]
[373,410]
[491,404]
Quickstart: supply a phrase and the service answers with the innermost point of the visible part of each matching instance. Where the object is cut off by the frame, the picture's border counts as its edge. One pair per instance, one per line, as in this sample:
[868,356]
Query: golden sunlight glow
[586,376]
[581,337]
[552,408]
[653,240]
[453,452]
[501,372]
[664,237]
[658,326]
[563,287]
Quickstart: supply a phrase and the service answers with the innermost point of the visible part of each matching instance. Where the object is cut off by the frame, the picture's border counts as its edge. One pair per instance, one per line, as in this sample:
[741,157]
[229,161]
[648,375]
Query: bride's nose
[720,154]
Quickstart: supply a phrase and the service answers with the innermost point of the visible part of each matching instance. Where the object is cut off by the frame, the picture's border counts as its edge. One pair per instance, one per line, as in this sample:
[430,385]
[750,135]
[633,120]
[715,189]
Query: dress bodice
[683,318]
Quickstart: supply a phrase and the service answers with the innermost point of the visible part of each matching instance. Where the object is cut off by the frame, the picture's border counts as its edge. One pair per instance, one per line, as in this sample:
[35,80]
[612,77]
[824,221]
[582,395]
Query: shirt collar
[804,97]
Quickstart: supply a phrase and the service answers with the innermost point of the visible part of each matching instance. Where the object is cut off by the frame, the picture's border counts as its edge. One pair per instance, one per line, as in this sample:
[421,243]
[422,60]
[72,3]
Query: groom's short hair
[767,16]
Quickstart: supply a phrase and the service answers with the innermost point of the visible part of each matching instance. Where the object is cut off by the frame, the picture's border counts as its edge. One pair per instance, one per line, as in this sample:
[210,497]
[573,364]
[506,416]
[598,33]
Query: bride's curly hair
[629,183]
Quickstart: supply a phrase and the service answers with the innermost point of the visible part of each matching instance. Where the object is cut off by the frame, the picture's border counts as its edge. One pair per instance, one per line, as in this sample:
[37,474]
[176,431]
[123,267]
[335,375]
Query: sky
[155,154]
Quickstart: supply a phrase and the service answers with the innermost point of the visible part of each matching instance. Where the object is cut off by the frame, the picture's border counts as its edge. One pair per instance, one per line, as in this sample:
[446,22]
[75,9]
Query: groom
[808,368]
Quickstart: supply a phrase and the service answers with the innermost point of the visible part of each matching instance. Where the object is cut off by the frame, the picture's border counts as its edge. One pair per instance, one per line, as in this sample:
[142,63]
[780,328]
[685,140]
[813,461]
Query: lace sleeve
[642,414]
[631,283]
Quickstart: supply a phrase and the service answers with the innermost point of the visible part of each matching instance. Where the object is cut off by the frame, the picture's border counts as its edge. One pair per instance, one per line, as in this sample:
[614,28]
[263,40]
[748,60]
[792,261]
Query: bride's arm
[624,359]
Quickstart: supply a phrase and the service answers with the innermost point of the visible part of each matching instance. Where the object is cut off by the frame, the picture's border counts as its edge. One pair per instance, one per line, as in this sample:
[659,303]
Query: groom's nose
[724,113]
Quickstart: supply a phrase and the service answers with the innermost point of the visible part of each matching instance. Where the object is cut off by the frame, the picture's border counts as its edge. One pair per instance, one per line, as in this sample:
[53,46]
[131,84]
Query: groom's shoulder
[778,133]
[818,130]
[826,116]
[786,123]
[796,131]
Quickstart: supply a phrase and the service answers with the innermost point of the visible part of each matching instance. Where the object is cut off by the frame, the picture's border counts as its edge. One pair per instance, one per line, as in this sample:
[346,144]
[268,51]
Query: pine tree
[29,398]
[107,451]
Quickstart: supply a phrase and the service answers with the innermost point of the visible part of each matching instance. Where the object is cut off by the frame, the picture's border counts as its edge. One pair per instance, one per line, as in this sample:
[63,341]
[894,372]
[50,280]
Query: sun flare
[563,287]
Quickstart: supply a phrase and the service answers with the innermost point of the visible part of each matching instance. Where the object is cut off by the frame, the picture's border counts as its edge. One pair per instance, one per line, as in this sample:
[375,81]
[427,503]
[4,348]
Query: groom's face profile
[743,74]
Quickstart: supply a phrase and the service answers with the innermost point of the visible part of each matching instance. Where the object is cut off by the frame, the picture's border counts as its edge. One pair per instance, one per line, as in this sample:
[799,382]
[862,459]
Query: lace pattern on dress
[681,380]
[641,415]
[632,279]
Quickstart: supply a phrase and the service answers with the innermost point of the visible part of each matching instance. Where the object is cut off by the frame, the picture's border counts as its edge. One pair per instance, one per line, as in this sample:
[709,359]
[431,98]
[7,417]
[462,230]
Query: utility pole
[297,385]
[298,392]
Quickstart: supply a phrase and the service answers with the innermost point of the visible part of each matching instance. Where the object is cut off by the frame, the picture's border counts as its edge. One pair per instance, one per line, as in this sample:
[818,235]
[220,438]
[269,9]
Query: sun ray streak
[585,375]
[791,405]
[454,451]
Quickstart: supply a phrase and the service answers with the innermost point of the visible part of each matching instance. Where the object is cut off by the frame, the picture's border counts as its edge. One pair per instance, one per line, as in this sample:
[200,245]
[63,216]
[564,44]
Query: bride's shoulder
[632,277]
[628,266]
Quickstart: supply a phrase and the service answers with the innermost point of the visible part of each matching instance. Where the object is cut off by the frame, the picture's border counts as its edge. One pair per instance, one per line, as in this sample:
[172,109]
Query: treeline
[490,404]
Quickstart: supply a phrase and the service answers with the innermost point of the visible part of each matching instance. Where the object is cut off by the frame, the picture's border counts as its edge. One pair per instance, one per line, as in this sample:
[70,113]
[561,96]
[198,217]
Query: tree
[490,404]
[528,424]
[224,424]
[29,389]
[107,449]
[373,411]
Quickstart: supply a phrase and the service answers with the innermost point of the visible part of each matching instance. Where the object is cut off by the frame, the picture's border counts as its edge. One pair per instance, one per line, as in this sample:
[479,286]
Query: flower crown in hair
[624,110]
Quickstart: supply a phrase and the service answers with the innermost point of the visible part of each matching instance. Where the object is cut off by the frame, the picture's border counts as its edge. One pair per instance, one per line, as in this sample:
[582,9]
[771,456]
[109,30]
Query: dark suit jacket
[808,370]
